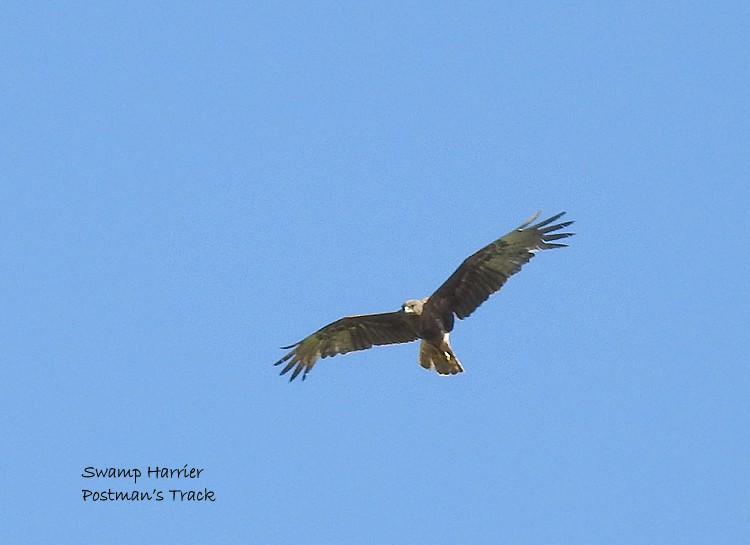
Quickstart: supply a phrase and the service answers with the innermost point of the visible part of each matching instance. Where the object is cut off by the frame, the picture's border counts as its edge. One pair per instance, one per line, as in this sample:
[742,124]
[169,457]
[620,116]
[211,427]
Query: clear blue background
[186,187]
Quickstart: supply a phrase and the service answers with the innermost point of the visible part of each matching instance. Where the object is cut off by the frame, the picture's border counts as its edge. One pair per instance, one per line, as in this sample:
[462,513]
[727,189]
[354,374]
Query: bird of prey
[431,319]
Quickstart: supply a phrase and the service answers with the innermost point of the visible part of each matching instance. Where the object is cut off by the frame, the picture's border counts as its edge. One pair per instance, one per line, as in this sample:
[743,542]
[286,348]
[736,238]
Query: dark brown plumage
[431,319]
[348,334]
[484,272]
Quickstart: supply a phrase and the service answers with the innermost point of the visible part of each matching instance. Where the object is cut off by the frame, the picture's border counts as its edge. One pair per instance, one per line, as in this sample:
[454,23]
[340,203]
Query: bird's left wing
[348,334]
[484,272]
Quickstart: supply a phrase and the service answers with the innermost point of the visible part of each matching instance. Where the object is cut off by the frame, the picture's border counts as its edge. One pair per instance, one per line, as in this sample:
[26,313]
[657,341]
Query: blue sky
[186,187]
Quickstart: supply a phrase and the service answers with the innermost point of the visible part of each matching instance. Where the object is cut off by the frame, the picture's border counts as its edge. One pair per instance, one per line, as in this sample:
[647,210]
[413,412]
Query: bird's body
[434,327]
[431,319]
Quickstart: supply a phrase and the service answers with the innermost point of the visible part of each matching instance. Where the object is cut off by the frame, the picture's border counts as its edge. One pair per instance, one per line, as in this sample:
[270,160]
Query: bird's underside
[440,358]
[431,318]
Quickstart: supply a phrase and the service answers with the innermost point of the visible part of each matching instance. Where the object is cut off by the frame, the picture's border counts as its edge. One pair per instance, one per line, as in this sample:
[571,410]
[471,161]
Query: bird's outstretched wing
[348,334]
[485,272]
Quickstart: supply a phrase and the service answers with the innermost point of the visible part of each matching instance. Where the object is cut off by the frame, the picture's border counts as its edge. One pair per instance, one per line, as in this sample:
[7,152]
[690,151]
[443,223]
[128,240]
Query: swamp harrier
[431,319]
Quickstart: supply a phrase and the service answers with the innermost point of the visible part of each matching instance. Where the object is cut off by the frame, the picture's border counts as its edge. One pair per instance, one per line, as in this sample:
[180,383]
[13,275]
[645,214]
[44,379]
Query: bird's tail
[440,358]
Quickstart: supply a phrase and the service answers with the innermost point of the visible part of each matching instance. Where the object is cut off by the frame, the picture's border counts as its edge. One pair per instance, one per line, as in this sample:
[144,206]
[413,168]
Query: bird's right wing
[347,335]
[484,272]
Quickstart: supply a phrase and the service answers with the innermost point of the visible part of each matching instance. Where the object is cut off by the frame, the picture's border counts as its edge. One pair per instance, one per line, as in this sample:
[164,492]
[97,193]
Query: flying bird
[431,319]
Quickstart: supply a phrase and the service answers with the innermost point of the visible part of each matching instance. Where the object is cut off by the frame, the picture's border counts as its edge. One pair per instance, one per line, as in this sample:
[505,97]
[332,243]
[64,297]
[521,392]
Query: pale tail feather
[441,359]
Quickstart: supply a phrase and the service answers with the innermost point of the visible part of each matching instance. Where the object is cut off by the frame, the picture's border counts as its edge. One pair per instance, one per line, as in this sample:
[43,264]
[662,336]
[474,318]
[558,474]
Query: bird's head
[414,306]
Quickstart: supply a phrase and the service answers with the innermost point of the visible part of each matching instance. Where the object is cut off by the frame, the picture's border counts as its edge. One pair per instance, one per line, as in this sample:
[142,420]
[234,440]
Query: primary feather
[347,335]
[484,272]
